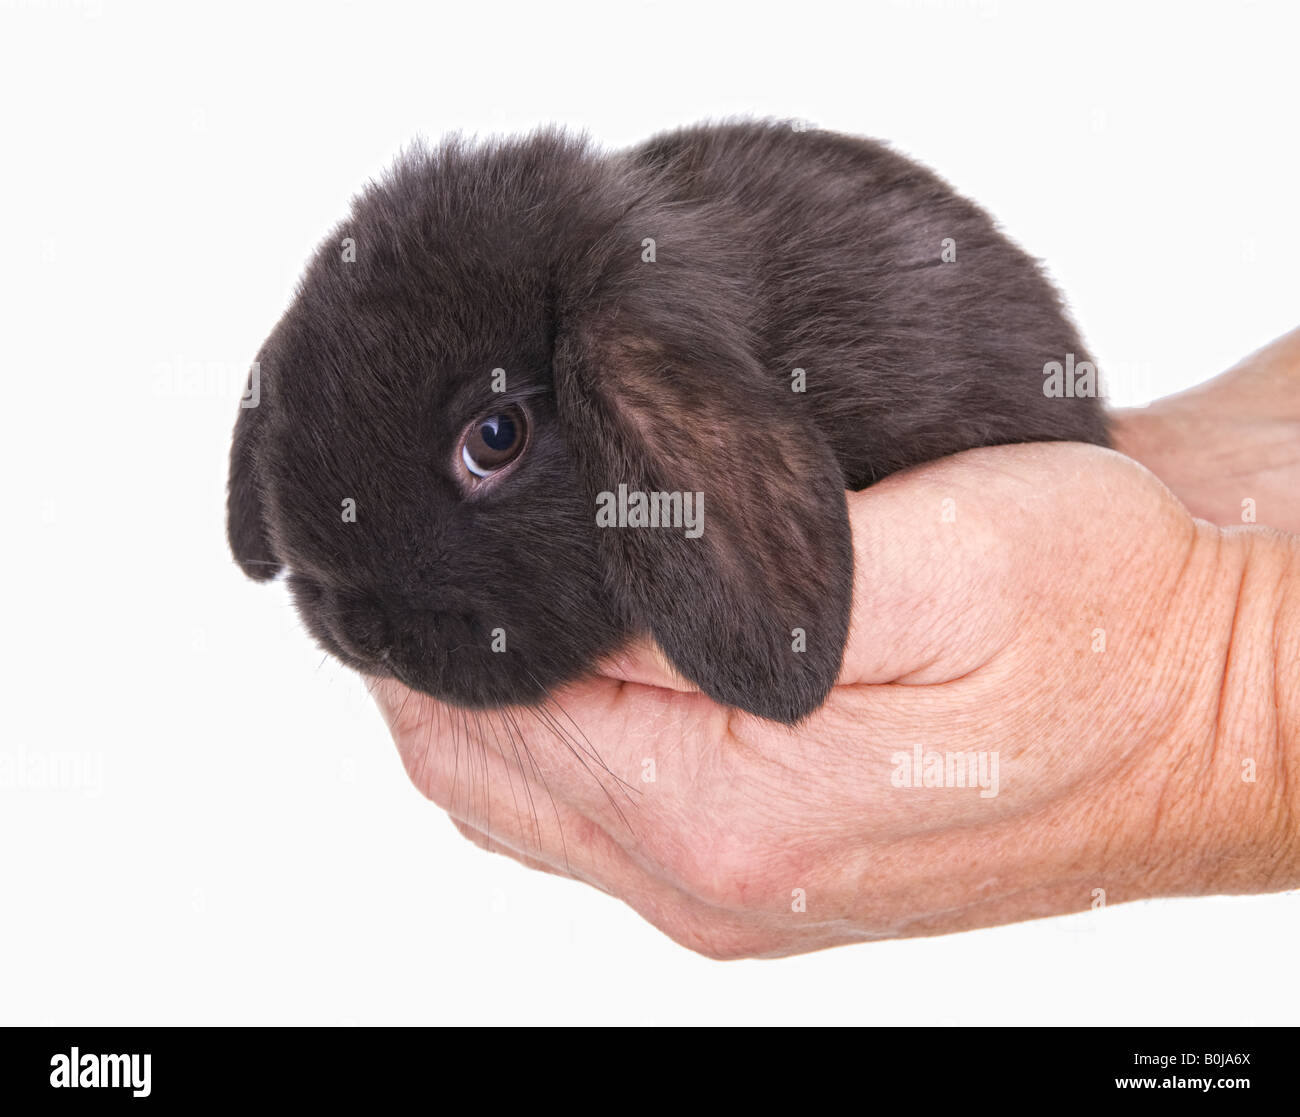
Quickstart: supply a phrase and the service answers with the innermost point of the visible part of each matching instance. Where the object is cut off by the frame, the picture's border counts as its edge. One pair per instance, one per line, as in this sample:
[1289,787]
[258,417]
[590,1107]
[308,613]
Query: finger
[545,747]
[713,931]
[510,776]
[489,845]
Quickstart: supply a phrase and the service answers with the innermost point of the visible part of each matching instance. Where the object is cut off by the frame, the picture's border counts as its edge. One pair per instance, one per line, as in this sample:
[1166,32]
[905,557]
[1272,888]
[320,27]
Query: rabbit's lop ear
[748,588]
[245,525]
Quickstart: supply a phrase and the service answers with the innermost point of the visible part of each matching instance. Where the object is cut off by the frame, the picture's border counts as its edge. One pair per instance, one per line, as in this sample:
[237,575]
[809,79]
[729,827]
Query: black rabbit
[510,347]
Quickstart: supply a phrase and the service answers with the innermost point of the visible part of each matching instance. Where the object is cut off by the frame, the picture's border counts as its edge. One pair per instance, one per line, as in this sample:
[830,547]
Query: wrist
[1231,791]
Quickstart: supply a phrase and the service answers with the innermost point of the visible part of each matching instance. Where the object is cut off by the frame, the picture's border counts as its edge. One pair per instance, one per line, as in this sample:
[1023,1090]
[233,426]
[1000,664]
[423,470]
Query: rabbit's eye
[494,442]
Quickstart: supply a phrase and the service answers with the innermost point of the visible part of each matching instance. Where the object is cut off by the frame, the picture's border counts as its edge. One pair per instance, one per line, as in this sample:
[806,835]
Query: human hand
[1229,448]
[1049,607]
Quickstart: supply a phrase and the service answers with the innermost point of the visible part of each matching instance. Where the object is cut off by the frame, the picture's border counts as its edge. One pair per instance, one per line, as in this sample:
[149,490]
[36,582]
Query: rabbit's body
[760,315]
[907,356]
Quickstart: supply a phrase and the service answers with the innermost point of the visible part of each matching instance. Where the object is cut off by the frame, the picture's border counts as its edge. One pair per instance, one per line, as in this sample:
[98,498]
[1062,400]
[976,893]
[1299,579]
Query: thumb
[945,561]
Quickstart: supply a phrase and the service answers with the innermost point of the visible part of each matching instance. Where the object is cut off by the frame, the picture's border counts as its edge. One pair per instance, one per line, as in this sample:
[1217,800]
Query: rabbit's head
[512,418]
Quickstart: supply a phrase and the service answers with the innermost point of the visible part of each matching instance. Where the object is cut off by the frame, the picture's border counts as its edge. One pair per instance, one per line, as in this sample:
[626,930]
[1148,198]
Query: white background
[241,844]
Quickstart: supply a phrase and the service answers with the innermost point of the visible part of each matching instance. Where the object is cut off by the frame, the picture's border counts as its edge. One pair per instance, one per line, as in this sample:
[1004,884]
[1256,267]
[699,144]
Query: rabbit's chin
[472,688]
[490,682]
[465,665]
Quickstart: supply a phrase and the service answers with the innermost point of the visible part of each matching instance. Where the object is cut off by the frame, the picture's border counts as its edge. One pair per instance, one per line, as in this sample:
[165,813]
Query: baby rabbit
[516,356]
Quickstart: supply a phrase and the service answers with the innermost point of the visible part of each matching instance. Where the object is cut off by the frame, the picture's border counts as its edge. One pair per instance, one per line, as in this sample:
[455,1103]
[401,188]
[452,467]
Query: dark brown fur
[776,249]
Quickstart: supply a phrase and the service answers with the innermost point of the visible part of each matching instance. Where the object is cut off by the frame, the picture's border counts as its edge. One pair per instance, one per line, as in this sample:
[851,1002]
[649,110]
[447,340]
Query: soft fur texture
[776,249]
